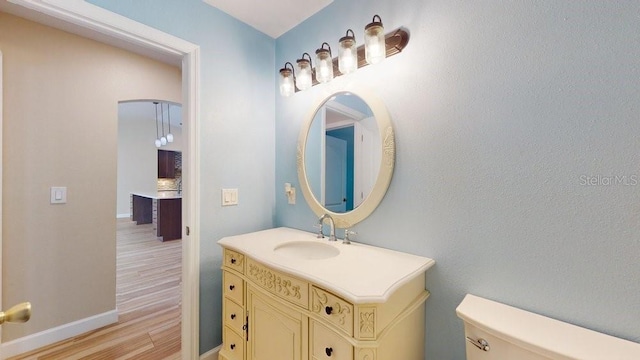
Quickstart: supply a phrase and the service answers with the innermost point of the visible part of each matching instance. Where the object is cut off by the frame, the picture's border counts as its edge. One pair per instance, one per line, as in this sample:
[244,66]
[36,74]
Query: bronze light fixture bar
[394,42]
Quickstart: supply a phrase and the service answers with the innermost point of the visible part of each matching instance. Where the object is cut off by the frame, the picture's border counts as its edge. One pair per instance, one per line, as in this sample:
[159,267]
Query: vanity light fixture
[377,46]
[374,44]
[304,66]
[169,135]
[157,142]
[324,64]
[348,54]
[287,76]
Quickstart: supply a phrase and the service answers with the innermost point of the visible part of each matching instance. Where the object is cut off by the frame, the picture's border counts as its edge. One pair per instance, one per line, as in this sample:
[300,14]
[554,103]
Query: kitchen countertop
[160,195]
[359,273]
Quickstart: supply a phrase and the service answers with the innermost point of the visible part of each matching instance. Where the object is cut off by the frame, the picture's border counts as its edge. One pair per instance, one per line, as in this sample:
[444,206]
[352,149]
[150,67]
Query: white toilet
[495,331]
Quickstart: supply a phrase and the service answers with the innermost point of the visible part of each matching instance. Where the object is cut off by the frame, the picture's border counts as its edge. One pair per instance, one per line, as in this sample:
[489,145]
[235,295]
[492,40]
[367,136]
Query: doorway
[91,20]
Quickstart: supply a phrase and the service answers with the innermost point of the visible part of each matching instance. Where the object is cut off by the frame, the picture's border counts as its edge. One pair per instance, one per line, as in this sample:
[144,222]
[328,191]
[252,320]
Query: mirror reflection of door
[343,153]
[338,172]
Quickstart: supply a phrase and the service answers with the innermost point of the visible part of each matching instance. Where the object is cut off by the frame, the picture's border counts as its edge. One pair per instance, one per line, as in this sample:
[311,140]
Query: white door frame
[1,127]
[125,32]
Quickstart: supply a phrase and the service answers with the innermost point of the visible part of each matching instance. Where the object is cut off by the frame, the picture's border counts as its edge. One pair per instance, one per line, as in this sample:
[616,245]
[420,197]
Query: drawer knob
[233,261]
[233,316]
[232,346]
[328,351]
[231,287]
[328,310]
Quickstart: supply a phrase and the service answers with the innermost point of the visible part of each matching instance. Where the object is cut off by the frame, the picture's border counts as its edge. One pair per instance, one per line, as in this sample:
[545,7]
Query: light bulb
[287,88]
[170,137]
[303,80]
[347,54]
[375,48]
[324,63]
[158,143]
[163,140]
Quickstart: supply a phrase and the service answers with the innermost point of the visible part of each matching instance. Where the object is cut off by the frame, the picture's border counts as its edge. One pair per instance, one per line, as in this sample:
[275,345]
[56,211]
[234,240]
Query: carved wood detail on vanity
[366,354]
[234,260]
[333,308]
[367,319]
[286,287]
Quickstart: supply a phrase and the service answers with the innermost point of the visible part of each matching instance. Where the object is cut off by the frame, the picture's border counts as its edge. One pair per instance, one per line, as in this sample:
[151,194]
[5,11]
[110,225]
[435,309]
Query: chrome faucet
[332,234]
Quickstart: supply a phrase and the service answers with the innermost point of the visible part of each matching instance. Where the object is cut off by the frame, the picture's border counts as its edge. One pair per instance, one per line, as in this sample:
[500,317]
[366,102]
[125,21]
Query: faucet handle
[320,234]
[347,233]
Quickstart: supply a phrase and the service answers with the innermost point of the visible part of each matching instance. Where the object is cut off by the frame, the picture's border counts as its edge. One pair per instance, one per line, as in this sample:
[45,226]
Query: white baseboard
[211,354]
[122,216]
[48,337]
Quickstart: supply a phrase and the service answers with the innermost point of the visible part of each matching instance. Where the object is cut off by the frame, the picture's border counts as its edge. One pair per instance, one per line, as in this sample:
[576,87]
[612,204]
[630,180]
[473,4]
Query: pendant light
[157,142]
[348,54]
[303,79]
[163,139]
[169,135]
[287,76]
[324,64]
[375,49]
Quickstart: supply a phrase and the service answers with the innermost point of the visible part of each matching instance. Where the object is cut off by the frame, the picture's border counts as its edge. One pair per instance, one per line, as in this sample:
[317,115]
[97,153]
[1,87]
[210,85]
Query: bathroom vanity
[288,295]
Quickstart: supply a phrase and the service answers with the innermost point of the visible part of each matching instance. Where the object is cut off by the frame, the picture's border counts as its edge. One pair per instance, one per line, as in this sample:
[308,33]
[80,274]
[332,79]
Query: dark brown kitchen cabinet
[166,164]
[164,213]
[169,222]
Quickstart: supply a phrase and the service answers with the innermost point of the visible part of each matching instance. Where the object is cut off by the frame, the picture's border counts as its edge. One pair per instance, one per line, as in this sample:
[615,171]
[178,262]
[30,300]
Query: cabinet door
[166,164]
[276,331]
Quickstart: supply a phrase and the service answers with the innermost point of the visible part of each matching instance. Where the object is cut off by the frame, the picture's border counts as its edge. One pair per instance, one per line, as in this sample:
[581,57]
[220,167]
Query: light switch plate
[229,197]
[58,194]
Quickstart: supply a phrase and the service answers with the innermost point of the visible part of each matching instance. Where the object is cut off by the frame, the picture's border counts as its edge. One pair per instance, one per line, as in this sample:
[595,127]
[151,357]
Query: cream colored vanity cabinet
[277,313]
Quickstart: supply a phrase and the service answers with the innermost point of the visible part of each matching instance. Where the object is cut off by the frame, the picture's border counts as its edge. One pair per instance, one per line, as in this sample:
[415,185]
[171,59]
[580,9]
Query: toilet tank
[514,334]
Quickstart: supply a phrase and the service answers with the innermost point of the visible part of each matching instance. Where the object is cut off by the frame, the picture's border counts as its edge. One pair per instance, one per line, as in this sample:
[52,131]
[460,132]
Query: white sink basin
[307,250]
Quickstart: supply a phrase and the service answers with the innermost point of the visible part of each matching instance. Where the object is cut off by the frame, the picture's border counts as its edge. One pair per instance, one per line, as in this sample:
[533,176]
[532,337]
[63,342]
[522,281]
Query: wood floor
[148,301]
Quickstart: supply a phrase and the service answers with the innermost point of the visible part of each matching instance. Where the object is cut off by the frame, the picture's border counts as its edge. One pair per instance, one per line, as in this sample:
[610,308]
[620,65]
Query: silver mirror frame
[387,139]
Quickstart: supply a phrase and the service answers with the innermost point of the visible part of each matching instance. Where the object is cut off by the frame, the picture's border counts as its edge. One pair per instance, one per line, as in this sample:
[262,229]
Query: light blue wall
[501,111]
[237,129]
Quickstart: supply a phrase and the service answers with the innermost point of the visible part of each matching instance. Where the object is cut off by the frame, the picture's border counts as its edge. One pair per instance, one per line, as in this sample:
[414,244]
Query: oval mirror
[346,154]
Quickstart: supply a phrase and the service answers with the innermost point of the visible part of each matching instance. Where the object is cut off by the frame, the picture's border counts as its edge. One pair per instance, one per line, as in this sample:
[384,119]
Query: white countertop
[160,195]
[359,273]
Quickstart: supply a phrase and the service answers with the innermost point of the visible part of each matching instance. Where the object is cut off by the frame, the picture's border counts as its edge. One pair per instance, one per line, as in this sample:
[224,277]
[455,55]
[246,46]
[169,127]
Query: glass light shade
[287,88]
[303,80]
[170,137]
[158,143]
[375,49]
[324,66]
[163,140]
[347,54]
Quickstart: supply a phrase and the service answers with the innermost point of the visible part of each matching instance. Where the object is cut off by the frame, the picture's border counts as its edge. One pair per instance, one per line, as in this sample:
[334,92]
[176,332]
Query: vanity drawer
[333,309]
[234,260]
[233,345]
[234,316]
[327,345]
[284,286]
[233,287]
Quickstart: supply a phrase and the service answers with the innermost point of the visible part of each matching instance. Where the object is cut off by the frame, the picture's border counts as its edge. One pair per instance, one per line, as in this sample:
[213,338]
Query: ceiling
[272,17]
[145,110]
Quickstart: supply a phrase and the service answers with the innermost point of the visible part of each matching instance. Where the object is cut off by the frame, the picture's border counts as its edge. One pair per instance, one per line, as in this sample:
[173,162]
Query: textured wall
[511,118]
